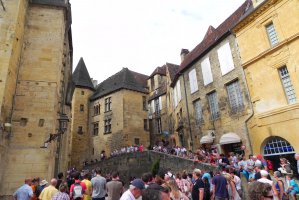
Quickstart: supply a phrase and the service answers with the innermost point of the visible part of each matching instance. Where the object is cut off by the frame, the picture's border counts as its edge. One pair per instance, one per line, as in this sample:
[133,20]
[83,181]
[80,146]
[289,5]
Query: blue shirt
[23,193]
[295,185]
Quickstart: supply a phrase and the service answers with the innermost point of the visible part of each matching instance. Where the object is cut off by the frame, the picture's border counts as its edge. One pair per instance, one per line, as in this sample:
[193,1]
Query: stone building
[118,113]
[211,101]
[80,132]
[35,60]
[268,38]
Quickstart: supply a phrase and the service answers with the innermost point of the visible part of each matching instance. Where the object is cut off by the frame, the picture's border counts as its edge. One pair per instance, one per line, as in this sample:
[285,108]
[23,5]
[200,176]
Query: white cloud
[140,34]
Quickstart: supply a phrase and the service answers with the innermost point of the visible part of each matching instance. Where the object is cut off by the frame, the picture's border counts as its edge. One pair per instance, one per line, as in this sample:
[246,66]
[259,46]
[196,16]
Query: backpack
[77,191]
[269,164]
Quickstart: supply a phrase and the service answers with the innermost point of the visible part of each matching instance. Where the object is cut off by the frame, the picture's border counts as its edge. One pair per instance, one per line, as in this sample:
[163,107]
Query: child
[293,188]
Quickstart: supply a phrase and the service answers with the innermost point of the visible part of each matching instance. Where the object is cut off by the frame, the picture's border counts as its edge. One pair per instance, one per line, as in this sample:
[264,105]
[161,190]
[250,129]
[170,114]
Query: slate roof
[159,70]
[81,76]
[173,70]
[124,79]
[213,36]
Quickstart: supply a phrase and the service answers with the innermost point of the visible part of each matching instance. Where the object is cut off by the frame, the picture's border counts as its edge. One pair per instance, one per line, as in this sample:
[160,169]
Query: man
[147,178]
[59,180]
[24,192]
[264,177]
[40,187]
[257,175]
[78,185]
[49,191]
[151,194]
[98,186]
[134,191]
[297,158]
[87,182]
[114,187]
[219,186]
[198,186]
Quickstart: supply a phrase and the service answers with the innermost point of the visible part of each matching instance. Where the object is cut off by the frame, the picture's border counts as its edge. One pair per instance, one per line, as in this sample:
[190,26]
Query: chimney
[184,52]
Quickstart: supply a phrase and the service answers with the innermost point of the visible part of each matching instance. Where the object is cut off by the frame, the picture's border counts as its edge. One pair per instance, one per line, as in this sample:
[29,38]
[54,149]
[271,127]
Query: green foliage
[156,167]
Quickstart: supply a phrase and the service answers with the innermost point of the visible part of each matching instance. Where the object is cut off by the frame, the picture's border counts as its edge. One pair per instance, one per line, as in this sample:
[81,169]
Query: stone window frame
[95,128]
[80,130]
[82,92]
[97,110]
[145,124]
[159,125]
[271,34]
[81,108]
[235,97]
[213,105]
[108,103]
[144,103]
[287,84]
[137,139]
[198,118]
[107,126]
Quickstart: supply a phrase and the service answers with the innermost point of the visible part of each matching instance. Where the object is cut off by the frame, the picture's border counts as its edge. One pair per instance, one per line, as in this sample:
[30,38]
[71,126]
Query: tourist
[62,193]
[86,180]
[114,187]
[151,194]
[279,186]
[285,166]
[59,180]
[24,192]
[78,188]
[297,159]
[147,178]
[134,191]
[175,192]
[260,191]
[237,182]
[292,188]
[219,186]
[198,186]
[98,186]
[40,187]
[49,191]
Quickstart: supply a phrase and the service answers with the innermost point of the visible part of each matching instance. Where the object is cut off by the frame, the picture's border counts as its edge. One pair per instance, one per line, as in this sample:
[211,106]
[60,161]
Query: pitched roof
[81,76]
[214,36]
[158,92]
[172,70]
[124,79]
[159,70]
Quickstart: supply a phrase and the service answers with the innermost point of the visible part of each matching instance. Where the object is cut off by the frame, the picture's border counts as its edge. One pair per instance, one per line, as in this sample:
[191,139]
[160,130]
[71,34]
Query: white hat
[43,182]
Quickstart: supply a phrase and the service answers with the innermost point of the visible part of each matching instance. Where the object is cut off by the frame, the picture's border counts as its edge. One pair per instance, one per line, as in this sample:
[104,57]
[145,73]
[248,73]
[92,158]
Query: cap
[43,182]
[138,183]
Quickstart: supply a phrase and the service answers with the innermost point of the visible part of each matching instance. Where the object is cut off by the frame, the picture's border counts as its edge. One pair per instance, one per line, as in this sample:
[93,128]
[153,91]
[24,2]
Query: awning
[206,139]
[229,138]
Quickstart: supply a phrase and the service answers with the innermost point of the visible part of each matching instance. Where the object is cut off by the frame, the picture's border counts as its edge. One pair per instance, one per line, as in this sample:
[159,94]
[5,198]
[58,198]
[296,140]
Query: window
[198,112]
[287,85]
[213,104]
[193,81]
[206,71]
[80,130]
[225,59]
[137,141]
[145,125]
[82,92]
[152,83]
[81,107]
[158,105]
[41,122]
[108,104]
[177,93]
[272,34]
[144,104]
[23,121]
[278,146]
[235,96]
[107,124]
[96,128]
[159,126]
[96,110]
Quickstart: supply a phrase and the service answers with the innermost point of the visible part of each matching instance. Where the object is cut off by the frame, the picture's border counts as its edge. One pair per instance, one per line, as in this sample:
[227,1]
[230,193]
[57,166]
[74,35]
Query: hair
[174,189]
[60,175]
[264,173]
[87,176]
[76,175]
[147,177]
[151,194]
[277,174]
[63,187]
[291,176]
[178,176]
[257,190]
[115,174]
[98,171]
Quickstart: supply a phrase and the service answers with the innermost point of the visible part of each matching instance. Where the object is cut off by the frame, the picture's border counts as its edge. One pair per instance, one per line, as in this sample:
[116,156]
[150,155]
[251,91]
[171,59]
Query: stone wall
[135,164]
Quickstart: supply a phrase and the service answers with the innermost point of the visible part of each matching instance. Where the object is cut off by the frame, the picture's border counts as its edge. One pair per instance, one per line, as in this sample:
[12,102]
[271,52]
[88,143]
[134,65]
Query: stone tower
[36,65]
[80,115]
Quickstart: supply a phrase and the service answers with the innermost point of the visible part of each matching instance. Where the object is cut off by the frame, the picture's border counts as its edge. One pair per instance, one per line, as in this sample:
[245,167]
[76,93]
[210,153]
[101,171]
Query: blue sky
[140,34]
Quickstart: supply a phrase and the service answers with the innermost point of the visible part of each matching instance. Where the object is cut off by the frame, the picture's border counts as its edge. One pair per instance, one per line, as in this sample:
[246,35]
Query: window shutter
[193,81]
[225,59]
[206,71]
[160,103]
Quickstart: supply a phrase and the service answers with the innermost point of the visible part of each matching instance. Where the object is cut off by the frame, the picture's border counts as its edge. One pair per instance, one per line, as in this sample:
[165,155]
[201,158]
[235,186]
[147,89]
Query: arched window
[277,146]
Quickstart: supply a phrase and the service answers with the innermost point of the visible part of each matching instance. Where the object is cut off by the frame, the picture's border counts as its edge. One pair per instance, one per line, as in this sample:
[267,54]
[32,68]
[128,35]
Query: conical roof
[81,76]
[124,79]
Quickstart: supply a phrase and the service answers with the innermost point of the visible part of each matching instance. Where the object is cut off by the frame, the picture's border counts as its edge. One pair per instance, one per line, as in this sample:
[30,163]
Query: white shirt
[238,182]
[265,180]
[127,195]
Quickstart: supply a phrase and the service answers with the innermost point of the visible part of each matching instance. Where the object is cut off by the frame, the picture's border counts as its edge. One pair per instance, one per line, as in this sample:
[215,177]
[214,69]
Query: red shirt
[82,185]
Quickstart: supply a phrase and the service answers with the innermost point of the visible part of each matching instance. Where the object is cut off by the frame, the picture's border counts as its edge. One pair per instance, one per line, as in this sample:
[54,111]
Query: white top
[127,195]
[265,180]
[238,182]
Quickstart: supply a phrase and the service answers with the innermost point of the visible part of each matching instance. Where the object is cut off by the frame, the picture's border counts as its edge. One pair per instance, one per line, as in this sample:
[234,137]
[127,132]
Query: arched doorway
[277,147]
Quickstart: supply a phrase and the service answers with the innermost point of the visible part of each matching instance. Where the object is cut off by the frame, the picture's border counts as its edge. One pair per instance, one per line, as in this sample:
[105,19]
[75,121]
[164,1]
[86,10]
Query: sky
[140,34]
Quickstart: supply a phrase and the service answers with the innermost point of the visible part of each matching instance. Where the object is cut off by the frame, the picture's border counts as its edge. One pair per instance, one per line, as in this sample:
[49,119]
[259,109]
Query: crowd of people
[262,180]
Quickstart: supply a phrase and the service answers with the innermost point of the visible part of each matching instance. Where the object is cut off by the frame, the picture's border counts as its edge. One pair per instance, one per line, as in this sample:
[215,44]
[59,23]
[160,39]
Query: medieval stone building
[36,67]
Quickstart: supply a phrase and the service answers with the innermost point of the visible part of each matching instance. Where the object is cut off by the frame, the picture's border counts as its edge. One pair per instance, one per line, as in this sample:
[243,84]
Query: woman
[279,192]
[285,166]
[62,195]
[175,193]
[232,191]
[260,191]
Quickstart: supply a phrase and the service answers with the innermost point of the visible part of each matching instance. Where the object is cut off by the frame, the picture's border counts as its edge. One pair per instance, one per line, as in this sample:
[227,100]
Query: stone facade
[35,64]
[270,66]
